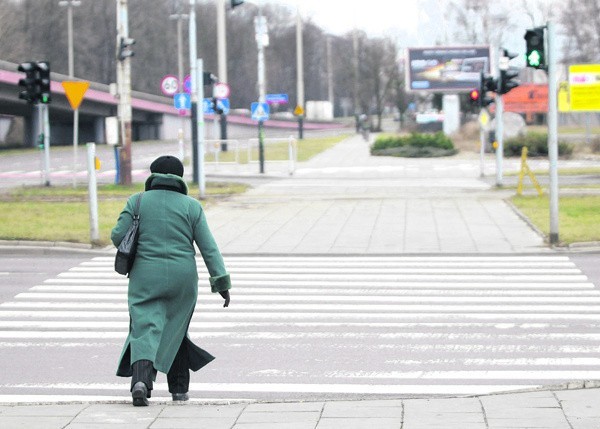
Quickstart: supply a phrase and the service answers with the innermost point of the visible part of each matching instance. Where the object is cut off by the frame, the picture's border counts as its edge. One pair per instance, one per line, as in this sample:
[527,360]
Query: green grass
[579,171]
[579,216]
[278,151]
[62,213]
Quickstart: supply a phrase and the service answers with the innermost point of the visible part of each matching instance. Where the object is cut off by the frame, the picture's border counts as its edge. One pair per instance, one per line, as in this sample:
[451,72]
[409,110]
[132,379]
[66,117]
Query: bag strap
[136,212]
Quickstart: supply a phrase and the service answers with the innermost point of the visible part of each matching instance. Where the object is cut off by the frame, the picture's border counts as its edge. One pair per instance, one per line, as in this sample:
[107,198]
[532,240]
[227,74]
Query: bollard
[92,191]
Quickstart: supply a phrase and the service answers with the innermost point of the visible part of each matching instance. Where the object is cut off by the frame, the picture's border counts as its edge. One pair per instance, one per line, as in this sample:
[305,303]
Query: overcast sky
[376,17]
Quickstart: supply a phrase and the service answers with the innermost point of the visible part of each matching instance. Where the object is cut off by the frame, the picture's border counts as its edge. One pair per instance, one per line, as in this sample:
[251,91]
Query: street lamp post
[180,17]
[70,4]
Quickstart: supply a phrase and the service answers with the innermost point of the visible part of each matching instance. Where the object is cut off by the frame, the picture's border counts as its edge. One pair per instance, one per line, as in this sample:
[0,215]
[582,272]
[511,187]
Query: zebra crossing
[328,326]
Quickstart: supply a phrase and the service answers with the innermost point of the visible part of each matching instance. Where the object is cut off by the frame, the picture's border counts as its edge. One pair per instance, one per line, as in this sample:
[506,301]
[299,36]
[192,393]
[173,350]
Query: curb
[55,245]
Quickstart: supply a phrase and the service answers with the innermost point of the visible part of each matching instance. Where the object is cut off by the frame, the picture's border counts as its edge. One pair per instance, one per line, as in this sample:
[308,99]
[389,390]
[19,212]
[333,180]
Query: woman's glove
[225,295]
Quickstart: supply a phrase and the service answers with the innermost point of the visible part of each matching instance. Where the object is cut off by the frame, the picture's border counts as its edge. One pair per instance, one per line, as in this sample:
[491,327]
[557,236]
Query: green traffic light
[534,58]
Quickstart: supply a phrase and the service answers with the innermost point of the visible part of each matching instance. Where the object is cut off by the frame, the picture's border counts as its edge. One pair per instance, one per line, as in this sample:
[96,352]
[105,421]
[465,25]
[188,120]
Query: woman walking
[163,282]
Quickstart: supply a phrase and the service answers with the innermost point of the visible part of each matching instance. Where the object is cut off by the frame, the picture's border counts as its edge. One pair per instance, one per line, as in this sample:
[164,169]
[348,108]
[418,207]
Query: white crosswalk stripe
[312,326]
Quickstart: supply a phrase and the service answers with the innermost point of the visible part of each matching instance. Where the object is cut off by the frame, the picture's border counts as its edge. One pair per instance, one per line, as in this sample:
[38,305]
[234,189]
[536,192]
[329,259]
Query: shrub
[536,143]
[413,145]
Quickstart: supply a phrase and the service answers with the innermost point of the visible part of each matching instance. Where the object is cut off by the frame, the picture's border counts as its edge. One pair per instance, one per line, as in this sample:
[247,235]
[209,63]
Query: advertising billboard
[446,69]
[584,87]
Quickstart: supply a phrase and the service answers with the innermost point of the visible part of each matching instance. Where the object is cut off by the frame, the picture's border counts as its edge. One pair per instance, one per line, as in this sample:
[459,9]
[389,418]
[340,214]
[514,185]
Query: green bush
[413,145]
[536,143]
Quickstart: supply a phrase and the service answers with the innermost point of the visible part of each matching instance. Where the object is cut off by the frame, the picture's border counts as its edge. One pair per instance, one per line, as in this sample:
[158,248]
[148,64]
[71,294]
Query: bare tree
[581,22]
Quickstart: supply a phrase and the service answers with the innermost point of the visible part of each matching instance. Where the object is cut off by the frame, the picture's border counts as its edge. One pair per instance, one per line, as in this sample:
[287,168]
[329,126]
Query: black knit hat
[167,165]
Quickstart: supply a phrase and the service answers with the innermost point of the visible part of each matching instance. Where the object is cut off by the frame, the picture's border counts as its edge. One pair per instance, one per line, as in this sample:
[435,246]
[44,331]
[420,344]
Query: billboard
[584,87]
[446,69]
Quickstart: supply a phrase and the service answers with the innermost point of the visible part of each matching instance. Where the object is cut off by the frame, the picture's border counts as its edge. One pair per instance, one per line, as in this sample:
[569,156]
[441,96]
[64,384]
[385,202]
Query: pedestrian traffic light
[43,82]
[507,80]
[28,93]
[124,49]
[535,51]
[235,3]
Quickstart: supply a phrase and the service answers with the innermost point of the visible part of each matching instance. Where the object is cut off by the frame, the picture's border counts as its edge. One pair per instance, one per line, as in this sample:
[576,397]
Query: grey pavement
[547,409]
[346,202]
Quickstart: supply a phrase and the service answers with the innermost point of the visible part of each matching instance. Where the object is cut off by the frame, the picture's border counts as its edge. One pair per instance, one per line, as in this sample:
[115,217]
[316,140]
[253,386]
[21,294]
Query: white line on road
[324,307]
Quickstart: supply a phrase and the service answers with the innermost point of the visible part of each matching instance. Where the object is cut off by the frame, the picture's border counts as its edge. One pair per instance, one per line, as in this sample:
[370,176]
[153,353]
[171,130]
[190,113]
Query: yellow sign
[564,104]
[75,92]
[584,87]
[298,111]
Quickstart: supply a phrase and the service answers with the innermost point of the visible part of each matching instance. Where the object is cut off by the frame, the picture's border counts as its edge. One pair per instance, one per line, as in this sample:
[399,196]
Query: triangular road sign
[75,90]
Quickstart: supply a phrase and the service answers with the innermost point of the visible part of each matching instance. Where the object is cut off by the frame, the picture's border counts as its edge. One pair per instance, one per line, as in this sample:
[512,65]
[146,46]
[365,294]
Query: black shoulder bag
[128,246]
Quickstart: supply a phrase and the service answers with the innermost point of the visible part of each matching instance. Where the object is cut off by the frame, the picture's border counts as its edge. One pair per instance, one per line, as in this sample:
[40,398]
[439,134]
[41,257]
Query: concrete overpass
[154,117]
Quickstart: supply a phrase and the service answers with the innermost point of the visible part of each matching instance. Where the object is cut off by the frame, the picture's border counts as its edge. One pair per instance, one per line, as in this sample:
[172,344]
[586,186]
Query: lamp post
[180,17]
[70,4]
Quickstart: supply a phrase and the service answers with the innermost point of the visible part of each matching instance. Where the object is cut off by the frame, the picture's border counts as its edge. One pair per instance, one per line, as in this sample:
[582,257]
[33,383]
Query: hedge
[536,143]
[413,145]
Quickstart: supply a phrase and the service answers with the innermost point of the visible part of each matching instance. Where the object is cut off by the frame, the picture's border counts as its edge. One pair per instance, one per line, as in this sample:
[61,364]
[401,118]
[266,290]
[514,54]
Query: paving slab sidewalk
[547,409]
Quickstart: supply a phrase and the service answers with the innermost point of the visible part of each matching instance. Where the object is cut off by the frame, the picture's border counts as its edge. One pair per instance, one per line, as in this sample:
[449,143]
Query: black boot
[141,382]
[178,376]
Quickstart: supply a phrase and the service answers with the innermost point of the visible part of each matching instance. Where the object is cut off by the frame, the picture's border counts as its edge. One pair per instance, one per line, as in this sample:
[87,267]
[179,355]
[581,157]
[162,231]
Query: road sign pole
[194,83]
[46,122]
[552,133]
[75,142]
[260,27]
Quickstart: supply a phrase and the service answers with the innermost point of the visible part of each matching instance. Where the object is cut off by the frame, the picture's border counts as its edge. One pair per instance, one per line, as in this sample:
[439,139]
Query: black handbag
[128,246]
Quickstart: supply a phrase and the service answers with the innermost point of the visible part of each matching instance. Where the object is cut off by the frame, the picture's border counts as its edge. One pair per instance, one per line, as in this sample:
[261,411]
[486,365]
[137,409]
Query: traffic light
[43,82]
[488,84]
[235,3]
[125,50]
[535,52]
[475,97]
[208,78]
[506,81]
[28,93]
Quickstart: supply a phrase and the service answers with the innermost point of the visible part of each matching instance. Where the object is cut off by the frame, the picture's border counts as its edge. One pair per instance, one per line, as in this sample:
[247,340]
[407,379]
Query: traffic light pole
[553,133]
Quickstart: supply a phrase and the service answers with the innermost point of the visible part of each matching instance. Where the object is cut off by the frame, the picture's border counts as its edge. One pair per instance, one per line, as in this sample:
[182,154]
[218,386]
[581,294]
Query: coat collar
[166,181]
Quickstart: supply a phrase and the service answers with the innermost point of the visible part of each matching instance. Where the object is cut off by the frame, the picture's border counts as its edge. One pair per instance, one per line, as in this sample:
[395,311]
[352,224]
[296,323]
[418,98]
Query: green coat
[163,283]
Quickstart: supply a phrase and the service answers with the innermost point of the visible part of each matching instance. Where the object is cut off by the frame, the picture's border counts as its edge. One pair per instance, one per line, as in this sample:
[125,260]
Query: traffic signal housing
[507,81]
[535,53]
[488,84]
[43,82]
[124,48]
[475,97]
[28,92]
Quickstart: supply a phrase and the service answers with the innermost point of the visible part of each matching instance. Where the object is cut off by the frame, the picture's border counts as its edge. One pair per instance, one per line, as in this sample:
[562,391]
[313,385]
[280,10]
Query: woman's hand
[225,295]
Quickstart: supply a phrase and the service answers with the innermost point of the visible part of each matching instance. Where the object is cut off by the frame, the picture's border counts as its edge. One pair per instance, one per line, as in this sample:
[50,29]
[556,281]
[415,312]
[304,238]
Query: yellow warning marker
[526,170]
[97,163]
[298,111]
[75,91]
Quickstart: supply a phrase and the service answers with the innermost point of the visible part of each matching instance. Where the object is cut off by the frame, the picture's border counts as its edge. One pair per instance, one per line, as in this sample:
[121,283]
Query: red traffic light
[474,95]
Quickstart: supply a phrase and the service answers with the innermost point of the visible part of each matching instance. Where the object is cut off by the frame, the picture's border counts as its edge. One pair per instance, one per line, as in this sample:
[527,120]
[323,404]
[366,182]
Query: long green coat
[163,283]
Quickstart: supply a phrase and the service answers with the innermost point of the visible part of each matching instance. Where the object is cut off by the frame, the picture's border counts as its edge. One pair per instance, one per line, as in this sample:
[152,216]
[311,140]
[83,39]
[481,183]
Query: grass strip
[62,213]
[579,216]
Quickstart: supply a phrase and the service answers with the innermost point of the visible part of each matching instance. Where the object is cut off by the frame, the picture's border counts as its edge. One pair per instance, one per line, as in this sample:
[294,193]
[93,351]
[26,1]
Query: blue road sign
[182,101]
[207,106]
[277,98]
[223,104]
[260,111]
